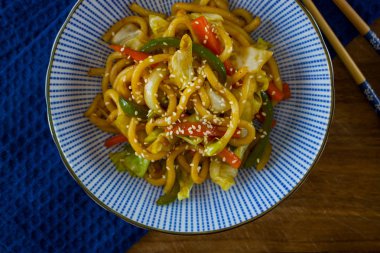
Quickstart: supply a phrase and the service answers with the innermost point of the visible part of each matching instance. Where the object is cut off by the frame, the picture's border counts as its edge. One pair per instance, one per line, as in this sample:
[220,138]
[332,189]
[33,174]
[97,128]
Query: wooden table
[338,206]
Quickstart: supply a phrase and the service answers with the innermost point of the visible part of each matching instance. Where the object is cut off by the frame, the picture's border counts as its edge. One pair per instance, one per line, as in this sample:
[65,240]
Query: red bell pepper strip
[230,157]
[135,55]
[274,92]
[114,140]
[208,38]
[199,130]
[286,90]
[204,33]
[230,70]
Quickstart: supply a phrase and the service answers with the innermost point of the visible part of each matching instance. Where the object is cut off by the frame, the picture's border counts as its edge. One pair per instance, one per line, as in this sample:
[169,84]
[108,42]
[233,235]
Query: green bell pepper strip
[132,109]
[199,50]
[170,196]
[257,153]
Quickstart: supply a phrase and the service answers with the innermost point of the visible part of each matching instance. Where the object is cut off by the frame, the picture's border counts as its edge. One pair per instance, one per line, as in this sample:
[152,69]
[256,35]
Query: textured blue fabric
[369,10]
[42,209]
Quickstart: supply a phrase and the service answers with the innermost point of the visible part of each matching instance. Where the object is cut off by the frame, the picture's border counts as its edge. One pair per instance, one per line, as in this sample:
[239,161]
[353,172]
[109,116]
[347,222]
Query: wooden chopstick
[359,23]
[358,76]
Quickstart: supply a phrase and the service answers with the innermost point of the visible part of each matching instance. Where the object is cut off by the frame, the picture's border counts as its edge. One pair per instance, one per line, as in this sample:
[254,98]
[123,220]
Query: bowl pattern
[298,138]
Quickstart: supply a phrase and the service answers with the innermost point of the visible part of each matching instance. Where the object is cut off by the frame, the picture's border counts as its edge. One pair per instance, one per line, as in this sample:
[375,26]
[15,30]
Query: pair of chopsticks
[364,29]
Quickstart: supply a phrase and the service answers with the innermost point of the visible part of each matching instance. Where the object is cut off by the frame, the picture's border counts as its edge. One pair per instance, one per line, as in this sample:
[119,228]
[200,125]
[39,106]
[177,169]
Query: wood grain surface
[337,209]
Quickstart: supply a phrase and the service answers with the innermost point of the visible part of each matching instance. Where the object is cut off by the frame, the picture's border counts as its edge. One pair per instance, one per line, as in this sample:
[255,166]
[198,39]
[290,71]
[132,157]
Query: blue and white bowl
[298,138]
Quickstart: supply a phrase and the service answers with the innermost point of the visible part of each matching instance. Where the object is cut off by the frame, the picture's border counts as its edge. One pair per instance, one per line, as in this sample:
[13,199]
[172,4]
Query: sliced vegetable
[211,17]
[128,36]
[205,34]
[265,158]
[262,44]
[192,140]
[209,39]
[199,50]
[275,93]
[136,164]
[252,57]
[181,63]
[159,144]
[229,67]
[185,185]
[170,196]
[286,90]
[229,157]
[199,129]
[126,160]
[121,121]
[132,109]
[261,119]
[135,55]
[152,136]
[257,153]
[114,140]
[157,24]
[222,174]
[218,103]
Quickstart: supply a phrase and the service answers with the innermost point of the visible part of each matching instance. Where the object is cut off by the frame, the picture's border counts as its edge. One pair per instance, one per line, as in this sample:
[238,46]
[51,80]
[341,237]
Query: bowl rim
[138,224]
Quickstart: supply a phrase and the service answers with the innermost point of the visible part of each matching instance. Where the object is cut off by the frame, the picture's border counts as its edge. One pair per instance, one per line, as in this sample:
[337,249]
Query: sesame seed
[258,160]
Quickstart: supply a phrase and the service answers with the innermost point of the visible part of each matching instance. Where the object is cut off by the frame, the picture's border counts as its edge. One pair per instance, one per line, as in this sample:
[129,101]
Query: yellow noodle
[102,124]
[110,61]
[166,121]
[206,114]
[201,2]
[136,145]
[172,98]
[179,22]
[231,26]
[151,88]
[183,163]
[248,138]
[117,67]
[253,25]
[144,12]
[243,13]
[155,181]
[198,176]
[204,97]
[122,81]
[222,4]
[93,105]
[96,72]
[239,74]
[196,8]
[237,36]
[170,170]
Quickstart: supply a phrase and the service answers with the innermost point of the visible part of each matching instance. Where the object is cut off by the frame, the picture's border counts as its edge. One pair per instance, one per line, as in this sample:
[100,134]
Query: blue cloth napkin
[42,209]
